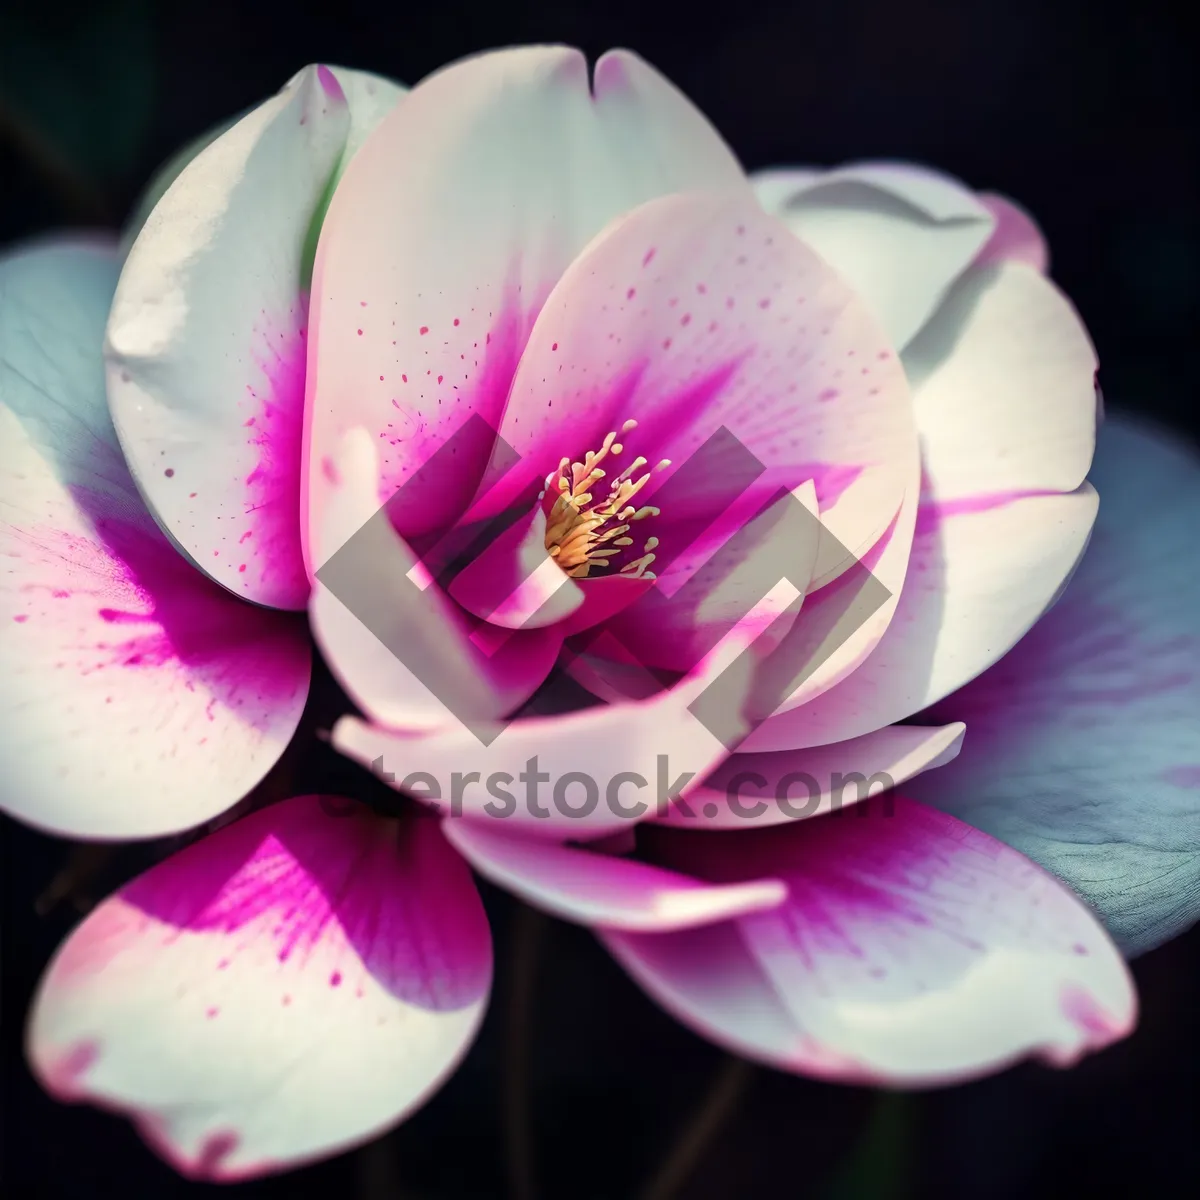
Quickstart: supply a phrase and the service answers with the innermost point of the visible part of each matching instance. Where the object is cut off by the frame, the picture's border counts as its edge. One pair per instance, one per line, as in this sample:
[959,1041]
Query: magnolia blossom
[361,325]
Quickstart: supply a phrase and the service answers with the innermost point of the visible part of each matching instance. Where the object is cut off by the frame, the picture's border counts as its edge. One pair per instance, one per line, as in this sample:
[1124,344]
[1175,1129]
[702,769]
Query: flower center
[587,528]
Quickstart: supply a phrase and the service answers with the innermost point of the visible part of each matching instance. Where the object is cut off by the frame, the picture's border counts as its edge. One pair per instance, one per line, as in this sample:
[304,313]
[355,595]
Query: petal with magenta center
[139,698]
[742,358]
[287,987]
[520,166]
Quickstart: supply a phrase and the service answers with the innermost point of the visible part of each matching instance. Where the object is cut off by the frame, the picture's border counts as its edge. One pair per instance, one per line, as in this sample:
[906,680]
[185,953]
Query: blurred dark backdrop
[1081,111]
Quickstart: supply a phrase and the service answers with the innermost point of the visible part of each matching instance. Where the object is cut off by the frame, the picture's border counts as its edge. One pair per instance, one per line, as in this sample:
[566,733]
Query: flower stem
[528,932]
[728,1085]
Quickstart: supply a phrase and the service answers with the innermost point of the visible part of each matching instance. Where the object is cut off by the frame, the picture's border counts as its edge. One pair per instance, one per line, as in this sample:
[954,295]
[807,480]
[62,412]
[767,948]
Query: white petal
[1004,392]
[1004,388]
[900,234]
[977,581]
[207,341]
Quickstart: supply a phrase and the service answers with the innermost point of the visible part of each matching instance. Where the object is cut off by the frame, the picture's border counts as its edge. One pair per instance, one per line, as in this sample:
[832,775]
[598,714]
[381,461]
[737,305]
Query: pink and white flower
[579,265]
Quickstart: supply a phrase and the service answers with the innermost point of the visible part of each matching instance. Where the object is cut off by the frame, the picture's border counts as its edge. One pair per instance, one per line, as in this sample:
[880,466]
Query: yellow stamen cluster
[582,532]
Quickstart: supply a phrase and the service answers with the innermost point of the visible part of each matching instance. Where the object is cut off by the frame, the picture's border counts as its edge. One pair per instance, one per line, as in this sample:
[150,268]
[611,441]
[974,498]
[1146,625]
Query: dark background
[1080,110]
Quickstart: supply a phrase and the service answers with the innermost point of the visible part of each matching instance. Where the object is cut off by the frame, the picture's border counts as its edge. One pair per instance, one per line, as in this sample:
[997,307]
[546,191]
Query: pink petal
[584,774]
[139,697]
[1016,237]
[407,654]
[900,234]
[285,988]
[515,583]
[780,786]
[604,597]
[695,314]
[519,167]
[603,889]
[207,341]
[911,950]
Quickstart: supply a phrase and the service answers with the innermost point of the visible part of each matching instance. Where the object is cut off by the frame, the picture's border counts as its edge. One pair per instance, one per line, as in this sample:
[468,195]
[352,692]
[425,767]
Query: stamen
[582,532]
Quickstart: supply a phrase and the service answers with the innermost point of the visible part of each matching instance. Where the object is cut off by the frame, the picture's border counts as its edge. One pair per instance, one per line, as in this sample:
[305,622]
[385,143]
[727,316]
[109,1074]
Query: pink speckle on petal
[335,980]
[423,330]
[649,257]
